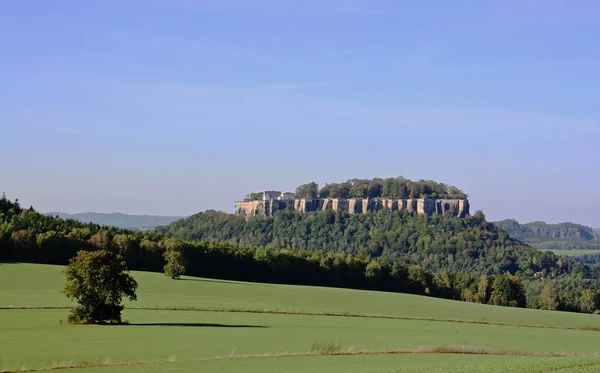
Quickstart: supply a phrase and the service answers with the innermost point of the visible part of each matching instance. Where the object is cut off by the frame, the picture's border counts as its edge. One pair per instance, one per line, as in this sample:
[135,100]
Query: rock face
[422,206]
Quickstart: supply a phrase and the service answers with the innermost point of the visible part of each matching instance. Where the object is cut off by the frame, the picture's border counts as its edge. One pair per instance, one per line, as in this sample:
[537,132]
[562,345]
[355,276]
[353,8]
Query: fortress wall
[422,206]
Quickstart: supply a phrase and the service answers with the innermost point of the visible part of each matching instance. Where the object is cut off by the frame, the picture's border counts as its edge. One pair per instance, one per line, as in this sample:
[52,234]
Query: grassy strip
[316,350]
[317,313]
[34,307]
[580,365]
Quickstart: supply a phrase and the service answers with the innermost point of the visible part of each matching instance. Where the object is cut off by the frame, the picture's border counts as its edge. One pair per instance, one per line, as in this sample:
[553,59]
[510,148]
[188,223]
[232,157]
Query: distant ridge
[562,236]
[117,219]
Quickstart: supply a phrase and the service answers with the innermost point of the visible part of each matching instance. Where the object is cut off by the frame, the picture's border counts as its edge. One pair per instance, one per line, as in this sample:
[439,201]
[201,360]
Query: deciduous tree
[507,290]
[97,281]
[549,297]
[176,264]
[310,190]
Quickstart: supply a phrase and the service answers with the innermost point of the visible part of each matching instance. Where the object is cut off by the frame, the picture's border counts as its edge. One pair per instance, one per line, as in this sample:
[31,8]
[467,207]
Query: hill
[563,236]
[118,219]
[205,325]
[441,256]
[438,242]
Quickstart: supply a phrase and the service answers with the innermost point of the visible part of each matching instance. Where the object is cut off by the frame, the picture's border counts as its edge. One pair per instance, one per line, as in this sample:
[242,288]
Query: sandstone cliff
[422,206]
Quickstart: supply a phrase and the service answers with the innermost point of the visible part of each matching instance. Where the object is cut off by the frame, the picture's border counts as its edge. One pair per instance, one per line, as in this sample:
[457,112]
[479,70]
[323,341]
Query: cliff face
[423,206]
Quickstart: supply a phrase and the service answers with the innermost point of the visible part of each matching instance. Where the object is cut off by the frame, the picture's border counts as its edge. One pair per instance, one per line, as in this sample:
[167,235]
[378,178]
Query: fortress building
[274,201]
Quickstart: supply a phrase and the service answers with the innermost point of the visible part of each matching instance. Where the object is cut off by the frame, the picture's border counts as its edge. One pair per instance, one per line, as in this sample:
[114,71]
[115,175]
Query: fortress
[274,201]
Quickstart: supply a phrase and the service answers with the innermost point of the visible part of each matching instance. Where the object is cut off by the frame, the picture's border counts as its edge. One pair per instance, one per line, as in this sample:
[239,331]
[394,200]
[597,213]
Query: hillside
[563,236]
[118,219]
[436,243]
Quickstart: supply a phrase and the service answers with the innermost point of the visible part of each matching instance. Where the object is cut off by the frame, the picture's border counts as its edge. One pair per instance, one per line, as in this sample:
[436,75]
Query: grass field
[201,325]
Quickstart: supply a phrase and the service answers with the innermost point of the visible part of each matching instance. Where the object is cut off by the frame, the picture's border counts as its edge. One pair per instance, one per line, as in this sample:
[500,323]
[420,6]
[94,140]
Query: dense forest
[398,187]
[438,242]
[28,236]
[563,236]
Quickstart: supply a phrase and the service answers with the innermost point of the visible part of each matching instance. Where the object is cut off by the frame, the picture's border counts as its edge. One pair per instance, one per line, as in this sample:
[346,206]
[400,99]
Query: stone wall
[422,206]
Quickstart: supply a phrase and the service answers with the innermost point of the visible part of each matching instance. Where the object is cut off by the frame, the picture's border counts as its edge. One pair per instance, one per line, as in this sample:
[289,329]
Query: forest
[398,187]
[438,242]
[442,256]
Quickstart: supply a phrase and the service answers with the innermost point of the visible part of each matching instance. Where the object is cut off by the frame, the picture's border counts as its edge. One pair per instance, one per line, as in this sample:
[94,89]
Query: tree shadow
[197,325]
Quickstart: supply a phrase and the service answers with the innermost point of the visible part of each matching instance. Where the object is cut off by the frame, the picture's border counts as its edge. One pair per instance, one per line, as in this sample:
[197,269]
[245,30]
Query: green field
[226,326]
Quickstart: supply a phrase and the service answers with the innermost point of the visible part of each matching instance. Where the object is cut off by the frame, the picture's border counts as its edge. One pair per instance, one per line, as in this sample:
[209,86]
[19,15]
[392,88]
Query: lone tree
[97,280]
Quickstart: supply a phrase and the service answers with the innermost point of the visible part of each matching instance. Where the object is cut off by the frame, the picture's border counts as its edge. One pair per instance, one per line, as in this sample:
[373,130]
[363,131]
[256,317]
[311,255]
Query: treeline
[438,242]
[563,244]
[398,187]
[592,258]
[28,236]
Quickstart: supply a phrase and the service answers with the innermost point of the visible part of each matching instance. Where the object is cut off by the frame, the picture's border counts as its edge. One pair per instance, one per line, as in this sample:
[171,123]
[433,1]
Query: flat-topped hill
[562,236]
[421,206]
[540,231]
[358,196]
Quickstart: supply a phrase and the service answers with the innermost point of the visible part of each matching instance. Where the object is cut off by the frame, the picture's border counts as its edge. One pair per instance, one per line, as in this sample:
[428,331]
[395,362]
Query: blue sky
[174,107]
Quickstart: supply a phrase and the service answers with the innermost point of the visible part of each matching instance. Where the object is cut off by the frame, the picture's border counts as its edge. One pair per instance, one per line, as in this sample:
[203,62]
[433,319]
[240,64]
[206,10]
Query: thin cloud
[156,90]
[71,130]
[287,87]
[270,7]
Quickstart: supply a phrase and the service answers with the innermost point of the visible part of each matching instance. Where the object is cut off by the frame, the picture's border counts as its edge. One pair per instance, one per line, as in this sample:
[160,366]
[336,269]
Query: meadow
[204,325]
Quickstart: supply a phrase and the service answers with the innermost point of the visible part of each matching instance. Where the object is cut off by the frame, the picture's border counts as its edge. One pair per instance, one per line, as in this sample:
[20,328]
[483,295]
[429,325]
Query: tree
[341,190]
[176,264]
[549,297]
[373,271]
[375,188]
[483,289]
[254,196]
[97,280]
[359,189]
[588,301]
[507,290]
[310,190]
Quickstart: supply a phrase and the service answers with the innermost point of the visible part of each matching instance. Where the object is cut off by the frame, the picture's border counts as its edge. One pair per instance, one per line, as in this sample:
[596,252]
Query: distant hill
[562,236]
[117,219]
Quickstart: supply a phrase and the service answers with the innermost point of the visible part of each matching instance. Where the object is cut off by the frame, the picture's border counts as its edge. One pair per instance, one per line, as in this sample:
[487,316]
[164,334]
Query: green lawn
[187,340]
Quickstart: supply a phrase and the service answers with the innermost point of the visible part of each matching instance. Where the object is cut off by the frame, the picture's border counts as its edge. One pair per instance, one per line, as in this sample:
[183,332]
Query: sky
[172,107]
